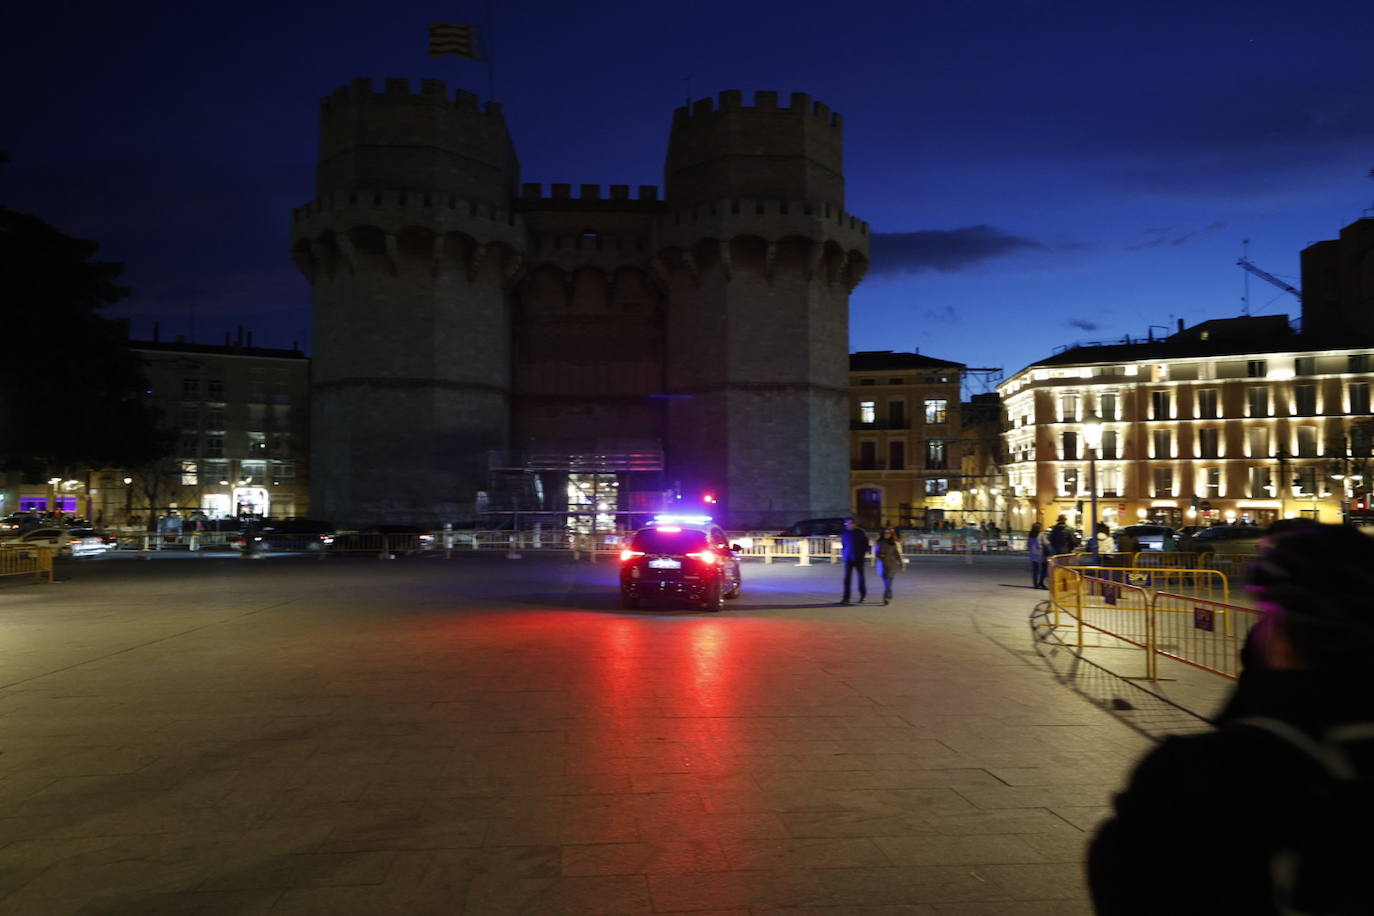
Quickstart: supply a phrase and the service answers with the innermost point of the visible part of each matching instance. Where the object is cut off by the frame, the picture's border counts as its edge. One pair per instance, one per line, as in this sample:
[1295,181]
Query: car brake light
[706,556]
[628,555]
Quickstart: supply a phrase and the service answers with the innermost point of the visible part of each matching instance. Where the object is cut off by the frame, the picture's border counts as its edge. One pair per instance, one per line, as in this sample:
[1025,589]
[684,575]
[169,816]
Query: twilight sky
[1034,173]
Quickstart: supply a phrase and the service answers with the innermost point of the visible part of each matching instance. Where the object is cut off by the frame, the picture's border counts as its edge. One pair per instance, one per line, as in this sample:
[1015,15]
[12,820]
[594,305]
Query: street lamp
[1092,438]
[128,499]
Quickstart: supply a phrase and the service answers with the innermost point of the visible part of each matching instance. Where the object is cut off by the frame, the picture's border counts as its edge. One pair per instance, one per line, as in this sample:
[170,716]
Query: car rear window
[655,540]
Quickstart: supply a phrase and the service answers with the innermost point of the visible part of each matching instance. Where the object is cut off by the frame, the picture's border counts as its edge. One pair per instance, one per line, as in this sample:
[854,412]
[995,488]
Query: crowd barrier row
[1180,614]
[26,560]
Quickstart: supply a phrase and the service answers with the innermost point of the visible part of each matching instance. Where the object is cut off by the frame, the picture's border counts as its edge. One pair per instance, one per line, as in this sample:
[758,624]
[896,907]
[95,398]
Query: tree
[72,394]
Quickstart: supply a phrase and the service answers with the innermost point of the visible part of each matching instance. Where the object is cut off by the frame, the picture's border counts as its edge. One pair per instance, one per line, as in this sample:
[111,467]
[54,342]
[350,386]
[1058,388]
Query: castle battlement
[398,91]
[769,208]
[403,200]
[765,102]
[533,191]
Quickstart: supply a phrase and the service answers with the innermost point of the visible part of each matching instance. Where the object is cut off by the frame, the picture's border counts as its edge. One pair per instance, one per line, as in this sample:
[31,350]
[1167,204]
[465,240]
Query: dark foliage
[71,392]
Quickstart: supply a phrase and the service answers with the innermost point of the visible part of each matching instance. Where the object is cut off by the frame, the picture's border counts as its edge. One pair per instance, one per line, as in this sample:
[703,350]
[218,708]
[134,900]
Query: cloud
[944,250]
[1084,325]
[1168,236]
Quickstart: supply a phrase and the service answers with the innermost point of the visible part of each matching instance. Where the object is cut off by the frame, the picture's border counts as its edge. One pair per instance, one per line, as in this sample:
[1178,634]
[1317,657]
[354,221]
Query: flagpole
[491,53]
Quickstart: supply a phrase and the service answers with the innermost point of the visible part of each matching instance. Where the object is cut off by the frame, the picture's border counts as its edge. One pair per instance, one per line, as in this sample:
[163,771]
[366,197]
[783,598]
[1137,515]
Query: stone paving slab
[488,736]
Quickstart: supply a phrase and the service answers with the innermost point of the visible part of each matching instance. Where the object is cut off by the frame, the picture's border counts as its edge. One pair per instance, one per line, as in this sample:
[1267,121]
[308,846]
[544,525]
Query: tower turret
[759,259]
[410,245]
[763,151]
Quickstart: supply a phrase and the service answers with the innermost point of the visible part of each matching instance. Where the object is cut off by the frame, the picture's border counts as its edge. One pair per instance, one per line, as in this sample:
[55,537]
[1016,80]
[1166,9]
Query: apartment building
[1229,420]
[905,434]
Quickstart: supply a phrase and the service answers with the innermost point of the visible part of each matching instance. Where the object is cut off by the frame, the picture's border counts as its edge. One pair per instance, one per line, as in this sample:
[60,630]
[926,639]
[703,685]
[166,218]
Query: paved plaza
[484,735]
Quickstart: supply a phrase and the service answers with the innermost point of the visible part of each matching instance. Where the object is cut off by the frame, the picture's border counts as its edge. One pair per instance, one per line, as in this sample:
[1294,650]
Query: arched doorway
[869,513]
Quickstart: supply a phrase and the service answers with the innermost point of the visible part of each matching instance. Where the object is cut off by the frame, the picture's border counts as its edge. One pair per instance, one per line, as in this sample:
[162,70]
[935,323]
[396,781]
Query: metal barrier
[26,560]
[1181,614]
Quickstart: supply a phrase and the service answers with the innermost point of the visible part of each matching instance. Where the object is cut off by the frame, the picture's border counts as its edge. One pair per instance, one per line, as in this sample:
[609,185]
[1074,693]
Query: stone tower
[456,319]
[410,245]
[759,258]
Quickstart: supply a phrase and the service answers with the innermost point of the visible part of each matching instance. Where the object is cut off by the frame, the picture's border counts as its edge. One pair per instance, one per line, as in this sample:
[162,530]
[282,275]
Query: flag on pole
[459,40]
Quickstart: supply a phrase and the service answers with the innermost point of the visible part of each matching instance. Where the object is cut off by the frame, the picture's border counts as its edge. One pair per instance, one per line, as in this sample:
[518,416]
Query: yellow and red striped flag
[459,40]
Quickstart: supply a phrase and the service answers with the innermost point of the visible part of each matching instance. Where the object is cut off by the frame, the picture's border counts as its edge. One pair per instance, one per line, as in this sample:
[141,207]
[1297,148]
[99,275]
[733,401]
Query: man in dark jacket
[1061,538]
[1225,808]
[854,549]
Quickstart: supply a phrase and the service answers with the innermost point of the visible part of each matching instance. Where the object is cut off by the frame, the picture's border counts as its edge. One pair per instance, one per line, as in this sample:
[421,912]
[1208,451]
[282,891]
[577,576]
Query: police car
[686,557]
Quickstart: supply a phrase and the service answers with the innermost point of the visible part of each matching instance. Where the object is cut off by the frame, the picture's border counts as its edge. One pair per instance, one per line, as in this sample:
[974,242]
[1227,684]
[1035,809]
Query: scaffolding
[582,492]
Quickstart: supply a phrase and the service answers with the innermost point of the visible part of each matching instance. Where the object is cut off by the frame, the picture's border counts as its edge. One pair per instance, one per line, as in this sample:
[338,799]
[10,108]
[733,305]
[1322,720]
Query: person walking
[1038,551]
[1285,830]
[854,553]
[888,552]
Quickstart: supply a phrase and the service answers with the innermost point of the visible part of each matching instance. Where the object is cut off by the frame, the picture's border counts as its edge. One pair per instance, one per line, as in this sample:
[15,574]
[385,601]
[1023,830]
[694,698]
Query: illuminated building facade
[906,439]
[240,419]
[1233,419]
[472,330]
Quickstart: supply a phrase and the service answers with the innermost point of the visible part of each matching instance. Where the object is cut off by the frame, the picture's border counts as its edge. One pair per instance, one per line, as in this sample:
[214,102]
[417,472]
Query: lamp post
[128,499]
[1092,438]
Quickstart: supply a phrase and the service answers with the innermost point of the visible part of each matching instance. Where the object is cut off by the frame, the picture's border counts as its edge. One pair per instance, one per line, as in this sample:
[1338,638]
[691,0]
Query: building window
[189,478]
[190,389]
[1257,368]
[1259,402]
[257,442]
[257,392]
[1159,405]
[1109,481]
[1211,483]
[254,472]
[868,381]
[1162,441]
[937,411]
[1068,408]
[216,472]
[1359,397]
[1357,362]
[1207,403]
[1111,444]
[1307,442]
[280,394]
[868,411]
[1305,365]
[1361,442]
[1305,400]
[1305,481]
[1261,483]
[1068,482]
[281,443]
[214,390]
[937,487]
[896,456]
[190,444]
[214,418]
[1069,446]
[190,418]
[283,472]
[868,456]
[1106,405]
[896,414]
[214,446]
[1258,439]
[1164,481]
[894,381]
[1208,442]
[937,457]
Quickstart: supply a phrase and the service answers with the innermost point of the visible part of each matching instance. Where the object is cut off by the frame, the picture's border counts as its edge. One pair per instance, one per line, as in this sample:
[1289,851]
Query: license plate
[664,564]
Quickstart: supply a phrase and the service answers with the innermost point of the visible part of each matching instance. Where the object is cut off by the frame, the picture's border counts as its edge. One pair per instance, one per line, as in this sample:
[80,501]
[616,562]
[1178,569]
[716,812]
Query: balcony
[880,424]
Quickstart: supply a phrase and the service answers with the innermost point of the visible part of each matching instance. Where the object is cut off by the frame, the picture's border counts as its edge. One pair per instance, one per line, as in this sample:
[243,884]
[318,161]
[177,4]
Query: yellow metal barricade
[1115,609]
[26,561]
[1205,634]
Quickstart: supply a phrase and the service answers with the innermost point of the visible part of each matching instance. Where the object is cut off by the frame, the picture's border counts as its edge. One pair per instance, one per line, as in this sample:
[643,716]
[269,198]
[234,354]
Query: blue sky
[1034,173]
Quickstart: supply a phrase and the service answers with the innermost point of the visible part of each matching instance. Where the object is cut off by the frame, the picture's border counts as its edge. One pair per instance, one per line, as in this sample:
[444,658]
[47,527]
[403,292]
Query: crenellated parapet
[398,139]
[723,148]
[589,197]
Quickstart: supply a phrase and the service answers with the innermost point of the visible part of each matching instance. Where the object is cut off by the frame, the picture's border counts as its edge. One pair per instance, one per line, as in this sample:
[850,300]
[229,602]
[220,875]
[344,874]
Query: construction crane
[1265,275]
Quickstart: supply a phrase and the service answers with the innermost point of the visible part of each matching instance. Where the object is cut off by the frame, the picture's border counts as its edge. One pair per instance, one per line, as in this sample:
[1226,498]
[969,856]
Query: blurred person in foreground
[1224,809]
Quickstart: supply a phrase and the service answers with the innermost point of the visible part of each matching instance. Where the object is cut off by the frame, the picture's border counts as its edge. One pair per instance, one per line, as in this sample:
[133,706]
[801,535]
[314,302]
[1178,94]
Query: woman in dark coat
[888,551]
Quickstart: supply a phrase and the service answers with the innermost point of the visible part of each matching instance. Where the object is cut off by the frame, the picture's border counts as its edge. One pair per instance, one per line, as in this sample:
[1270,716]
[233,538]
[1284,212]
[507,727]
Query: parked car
[691,560]
[814,528]
[1147,537]
[394,539]
[65,542]
[272,535]
[1228,539]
